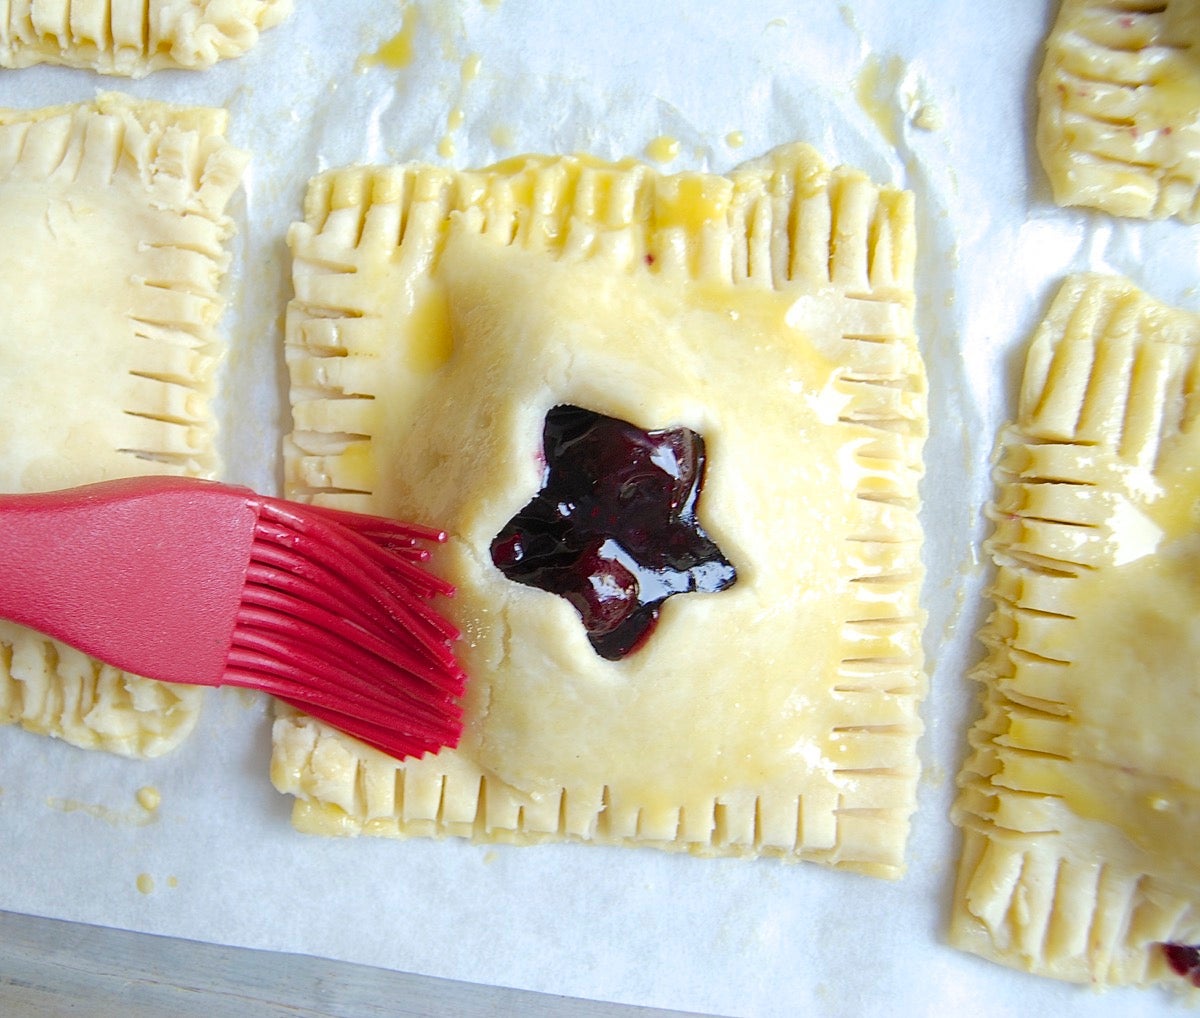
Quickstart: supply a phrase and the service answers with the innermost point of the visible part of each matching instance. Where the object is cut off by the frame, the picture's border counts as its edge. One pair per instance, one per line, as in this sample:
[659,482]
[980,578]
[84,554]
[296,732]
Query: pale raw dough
[438,316]
[115,246]
[1080,803]
[1119,107]
[132,37]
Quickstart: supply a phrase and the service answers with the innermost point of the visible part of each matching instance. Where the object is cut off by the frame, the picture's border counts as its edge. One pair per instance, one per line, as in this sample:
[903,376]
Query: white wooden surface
[49,968]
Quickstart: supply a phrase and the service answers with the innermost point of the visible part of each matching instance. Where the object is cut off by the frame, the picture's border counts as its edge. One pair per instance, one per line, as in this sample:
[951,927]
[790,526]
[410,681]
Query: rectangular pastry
[113,214]
[1079,803]
[673,426]
[1119,107]
[132,37]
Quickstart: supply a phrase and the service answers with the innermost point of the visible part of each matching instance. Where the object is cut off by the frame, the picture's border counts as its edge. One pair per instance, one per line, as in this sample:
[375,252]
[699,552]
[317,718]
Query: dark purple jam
[1184,960]
[614,528]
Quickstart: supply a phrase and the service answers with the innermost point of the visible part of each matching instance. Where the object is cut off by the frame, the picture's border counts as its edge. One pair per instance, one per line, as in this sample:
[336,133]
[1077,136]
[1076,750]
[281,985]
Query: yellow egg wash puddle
[146,883]
[1173,100]
[514,164]
[399,52]
[468,71]
[663,149]
[694,200]
[396,53]
[1132,683]
[876,90]
[767,309]
[357,467]
[1177,510]
[432,342]
[115,818]
[470,68]
[502,136]
[149,798]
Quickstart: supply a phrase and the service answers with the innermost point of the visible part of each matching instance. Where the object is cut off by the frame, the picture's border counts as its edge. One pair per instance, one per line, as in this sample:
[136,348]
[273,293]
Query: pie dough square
[132,37]
[113,214]
[438,316]
[1080,801]
[1119,107]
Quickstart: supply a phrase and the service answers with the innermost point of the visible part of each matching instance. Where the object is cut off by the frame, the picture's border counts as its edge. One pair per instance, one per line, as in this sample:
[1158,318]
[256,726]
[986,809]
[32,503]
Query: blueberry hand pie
[1119,107]
[1080,802]
[132,37]
[673,426]
[113,218]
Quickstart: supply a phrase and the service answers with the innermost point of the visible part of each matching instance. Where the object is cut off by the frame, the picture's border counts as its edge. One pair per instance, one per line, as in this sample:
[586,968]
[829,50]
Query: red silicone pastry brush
[200,583]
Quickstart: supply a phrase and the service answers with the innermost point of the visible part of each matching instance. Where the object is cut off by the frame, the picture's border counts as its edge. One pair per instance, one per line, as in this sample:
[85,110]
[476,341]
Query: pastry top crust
[115,216]
[131,38]
[439,316]
[1084,765]
[1119,107]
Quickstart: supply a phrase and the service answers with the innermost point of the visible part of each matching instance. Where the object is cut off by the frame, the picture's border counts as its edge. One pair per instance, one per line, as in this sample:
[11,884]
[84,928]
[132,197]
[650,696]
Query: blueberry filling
[1184,960]
[613,529]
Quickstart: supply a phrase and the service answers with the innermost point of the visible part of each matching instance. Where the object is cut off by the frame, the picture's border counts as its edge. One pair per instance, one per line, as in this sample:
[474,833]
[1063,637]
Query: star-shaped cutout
[613,529]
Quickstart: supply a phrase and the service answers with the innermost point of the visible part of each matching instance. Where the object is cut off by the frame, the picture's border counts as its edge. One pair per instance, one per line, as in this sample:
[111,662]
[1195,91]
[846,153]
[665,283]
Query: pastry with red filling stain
[1119,107]
[1079,803]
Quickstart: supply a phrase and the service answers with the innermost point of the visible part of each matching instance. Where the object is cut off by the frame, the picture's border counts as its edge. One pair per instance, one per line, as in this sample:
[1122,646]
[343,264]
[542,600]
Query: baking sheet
[217,860]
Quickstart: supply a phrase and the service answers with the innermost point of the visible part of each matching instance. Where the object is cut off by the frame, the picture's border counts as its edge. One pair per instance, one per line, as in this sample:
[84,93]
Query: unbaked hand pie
[113,217]
[1080,801]
[132,37]
[1119,107]
[673,427]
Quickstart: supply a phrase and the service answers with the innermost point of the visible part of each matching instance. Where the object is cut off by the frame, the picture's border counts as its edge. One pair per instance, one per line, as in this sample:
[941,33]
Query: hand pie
[115,231]
[1119,115]
[1080,801]
[132,37]
[464,346]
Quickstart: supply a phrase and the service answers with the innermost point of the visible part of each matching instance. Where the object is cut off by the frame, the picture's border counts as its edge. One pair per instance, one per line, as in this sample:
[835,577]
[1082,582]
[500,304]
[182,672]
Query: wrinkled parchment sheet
[864,81]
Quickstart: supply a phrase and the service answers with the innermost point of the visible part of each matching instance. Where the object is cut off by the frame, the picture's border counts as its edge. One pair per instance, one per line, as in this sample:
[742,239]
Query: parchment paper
[218,861]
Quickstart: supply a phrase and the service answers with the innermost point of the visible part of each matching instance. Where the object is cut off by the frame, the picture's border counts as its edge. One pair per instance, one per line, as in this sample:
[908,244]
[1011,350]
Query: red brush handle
[100,568]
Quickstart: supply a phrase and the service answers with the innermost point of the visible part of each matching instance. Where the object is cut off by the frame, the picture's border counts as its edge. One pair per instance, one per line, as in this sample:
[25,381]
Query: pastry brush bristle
[336,619]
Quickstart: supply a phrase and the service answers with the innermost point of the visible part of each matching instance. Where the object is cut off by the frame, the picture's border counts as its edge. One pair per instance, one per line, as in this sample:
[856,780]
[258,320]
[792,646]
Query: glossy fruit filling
[1184,960]
[613,528]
